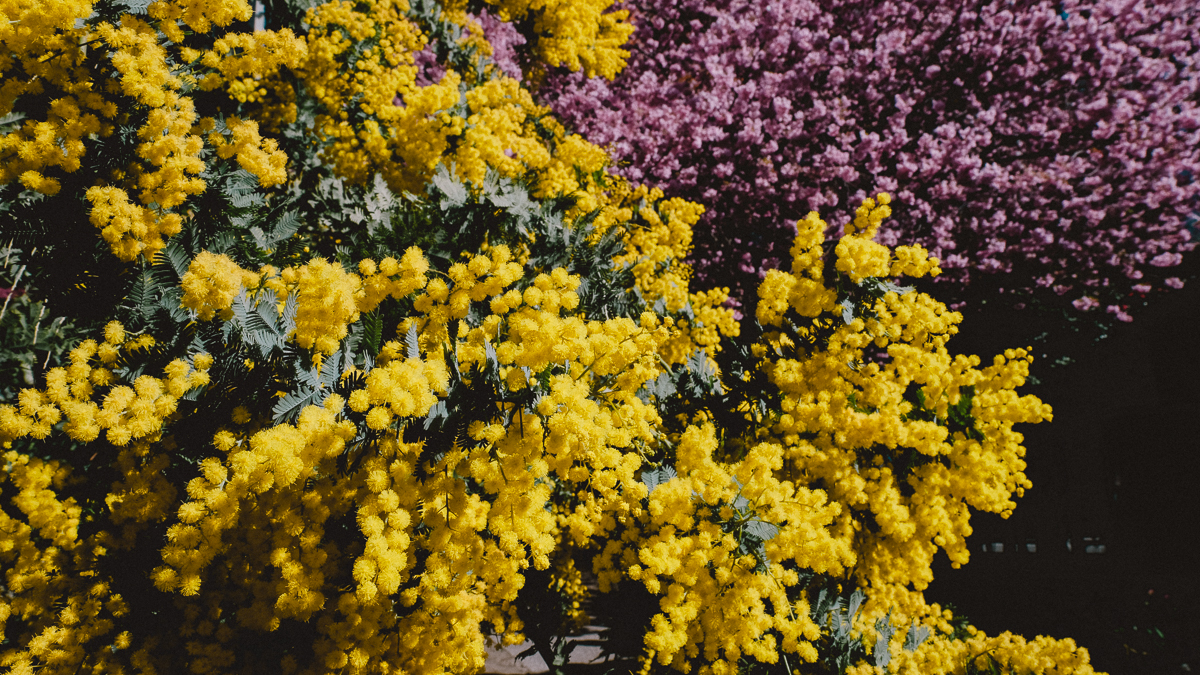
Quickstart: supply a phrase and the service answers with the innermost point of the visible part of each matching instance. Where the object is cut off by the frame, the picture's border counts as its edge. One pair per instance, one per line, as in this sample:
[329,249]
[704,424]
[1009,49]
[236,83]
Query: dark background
[1116,475]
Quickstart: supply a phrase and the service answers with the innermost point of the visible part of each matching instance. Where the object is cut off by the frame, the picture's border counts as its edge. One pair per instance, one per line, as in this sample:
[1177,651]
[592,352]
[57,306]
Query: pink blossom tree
[1041,150]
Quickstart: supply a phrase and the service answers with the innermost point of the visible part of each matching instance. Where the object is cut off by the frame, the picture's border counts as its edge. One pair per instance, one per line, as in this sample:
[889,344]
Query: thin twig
[16,281]
[38,324]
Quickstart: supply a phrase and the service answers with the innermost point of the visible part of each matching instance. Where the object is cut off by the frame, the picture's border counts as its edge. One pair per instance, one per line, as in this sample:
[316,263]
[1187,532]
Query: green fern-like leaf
[288,408]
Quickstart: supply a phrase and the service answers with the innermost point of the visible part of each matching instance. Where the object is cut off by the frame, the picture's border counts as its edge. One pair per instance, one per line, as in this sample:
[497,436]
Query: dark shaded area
[1104,547]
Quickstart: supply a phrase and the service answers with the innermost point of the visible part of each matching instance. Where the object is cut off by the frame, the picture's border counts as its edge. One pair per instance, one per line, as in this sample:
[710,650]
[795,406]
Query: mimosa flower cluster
[397,365]
[355,61]
[845,479]
[125,411]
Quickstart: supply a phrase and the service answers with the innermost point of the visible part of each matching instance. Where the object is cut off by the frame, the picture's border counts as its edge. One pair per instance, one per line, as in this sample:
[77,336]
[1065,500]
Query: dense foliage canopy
[1047,151]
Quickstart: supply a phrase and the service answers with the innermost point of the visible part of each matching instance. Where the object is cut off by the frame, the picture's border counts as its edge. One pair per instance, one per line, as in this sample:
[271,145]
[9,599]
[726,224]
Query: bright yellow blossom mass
[396,365]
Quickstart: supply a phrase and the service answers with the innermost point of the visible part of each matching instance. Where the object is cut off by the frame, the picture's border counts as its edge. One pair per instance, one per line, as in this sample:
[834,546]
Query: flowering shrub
[1045,149]
[385,365]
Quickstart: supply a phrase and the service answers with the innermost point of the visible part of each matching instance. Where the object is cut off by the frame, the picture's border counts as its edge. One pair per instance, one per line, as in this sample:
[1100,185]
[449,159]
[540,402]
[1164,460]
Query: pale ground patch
[503,660]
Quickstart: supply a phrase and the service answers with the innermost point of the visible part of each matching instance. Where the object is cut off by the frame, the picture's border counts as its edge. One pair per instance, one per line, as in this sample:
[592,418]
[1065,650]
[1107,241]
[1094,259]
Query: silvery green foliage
[836,613]
[915,637]
[657,476]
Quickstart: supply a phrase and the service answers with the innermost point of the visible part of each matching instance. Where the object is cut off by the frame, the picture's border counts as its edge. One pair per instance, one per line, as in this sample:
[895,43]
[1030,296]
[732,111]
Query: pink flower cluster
[1046,148]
